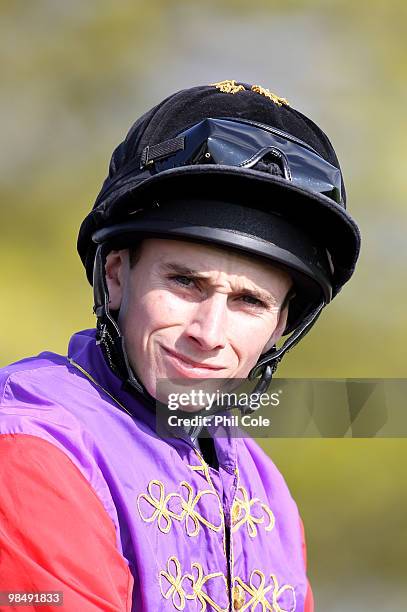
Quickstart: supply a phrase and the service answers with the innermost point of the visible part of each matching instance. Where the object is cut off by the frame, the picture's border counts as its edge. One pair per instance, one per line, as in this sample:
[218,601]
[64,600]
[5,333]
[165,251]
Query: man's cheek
[253,356]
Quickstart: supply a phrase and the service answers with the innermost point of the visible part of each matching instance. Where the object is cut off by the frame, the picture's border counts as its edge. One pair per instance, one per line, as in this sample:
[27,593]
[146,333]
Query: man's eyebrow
[178,268]
[263,296]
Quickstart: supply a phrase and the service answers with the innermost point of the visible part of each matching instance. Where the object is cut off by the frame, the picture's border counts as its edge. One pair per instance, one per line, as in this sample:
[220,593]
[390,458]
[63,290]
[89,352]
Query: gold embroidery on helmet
[228,86]
[269,94]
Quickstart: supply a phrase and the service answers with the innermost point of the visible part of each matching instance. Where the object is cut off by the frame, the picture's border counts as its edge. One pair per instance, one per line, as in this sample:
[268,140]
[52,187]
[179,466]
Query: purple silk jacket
[194,537]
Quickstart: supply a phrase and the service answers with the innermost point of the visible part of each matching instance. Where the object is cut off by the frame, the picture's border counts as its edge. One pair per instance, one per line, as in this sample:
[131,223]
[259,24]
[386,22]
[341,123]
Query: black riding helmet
[234,165]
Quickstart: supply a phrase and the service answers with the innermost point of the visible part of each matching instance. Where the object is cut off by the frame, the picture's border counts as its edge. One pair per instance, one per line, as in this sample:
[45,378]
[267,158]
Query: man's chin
[193,394]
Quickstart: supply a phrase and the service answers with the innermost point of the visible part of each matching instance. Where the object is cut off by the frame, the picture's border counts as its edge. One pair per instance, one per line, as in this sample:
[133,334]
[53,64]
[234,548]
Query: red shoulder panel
[55,534]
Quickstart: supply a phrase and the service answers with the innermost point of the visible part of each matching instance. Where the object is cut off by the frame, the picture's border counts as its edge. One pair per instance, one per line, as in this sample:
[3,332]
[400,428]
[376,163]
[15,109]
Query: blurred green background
[76,74]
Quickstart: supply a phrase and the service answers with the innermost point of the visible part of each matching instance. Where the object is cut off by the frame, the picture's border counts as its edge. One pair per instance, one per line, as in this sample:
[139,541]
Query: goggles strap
[153,153]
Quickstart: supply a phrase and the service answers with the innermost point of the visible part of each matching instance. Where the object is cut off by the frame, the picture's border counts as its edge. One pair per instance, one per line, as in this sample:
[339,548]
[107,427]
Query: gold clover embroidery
[244,505]
[191,515]
[177,590]
[165,516]
[197,585]
[203,468]
[258,593]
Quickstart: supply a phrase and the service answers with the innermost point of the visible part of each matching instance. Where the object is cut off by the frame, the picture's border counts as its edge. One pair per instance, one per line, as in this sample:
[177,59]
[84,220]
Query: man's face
[195,311]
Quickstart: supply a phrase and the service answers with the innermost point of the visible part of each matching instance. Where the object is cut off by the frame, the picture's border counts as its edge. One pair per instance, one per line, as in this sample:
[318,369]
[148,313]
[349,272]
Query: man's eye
[251,300]
[185,281]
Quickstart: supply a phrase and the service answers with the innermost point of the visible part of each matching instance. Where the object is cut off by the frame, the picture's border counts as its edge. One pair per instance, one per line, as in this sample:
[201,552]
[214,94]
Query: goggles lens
[231,142]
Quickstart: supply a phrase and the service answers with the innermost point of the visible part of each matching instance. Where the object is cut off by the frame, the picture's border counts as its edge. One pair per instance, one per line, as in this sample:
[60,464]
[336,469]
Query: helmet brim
[316,214]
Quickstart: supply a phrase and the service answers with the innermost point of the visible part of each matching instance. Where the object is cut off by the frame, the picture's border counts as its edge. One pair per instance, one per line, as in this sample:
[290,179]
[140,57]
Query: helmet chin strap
[110,338]
[108,334]
[275,355]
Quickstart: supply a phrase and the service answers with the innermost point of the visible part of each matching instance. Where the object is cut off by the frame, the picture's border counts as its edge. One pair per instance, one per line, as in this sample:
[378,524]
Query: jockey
[220,229]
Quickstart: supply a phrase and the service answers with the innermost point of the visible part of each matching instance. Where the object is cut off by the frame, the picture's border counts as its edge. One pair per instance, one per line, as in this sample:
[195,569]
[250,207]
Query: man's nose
[207,326]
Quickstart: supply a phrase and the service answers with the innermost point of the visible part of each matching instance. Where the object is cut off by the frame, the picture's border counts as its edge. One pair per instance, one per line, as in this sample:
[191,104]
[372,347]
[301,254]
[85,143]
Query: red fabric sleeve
[55,534]
[309,598]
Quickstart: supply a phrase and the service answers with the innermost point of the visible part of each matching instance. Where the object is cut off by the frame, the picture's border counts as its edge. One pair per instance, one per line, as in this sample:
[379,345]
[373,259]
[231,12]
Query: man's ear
[116,266]
[279,330]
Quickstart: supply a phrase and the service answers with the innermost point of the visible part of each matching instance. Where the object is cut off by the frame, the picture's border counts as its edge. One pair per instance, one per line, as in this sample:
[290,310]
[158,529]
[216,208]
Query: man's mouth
[189,367]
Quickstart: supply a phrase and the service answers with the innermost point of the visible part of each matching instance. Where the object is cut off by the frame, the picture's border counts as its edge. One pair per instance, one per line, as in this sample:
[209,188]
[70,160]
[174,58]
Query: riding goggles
[241,143]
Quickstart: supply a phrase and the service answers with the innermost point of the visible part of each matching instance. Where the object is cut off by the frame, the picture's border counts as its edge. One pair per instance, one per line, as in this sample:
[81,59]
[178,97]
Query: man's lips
[190,364]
